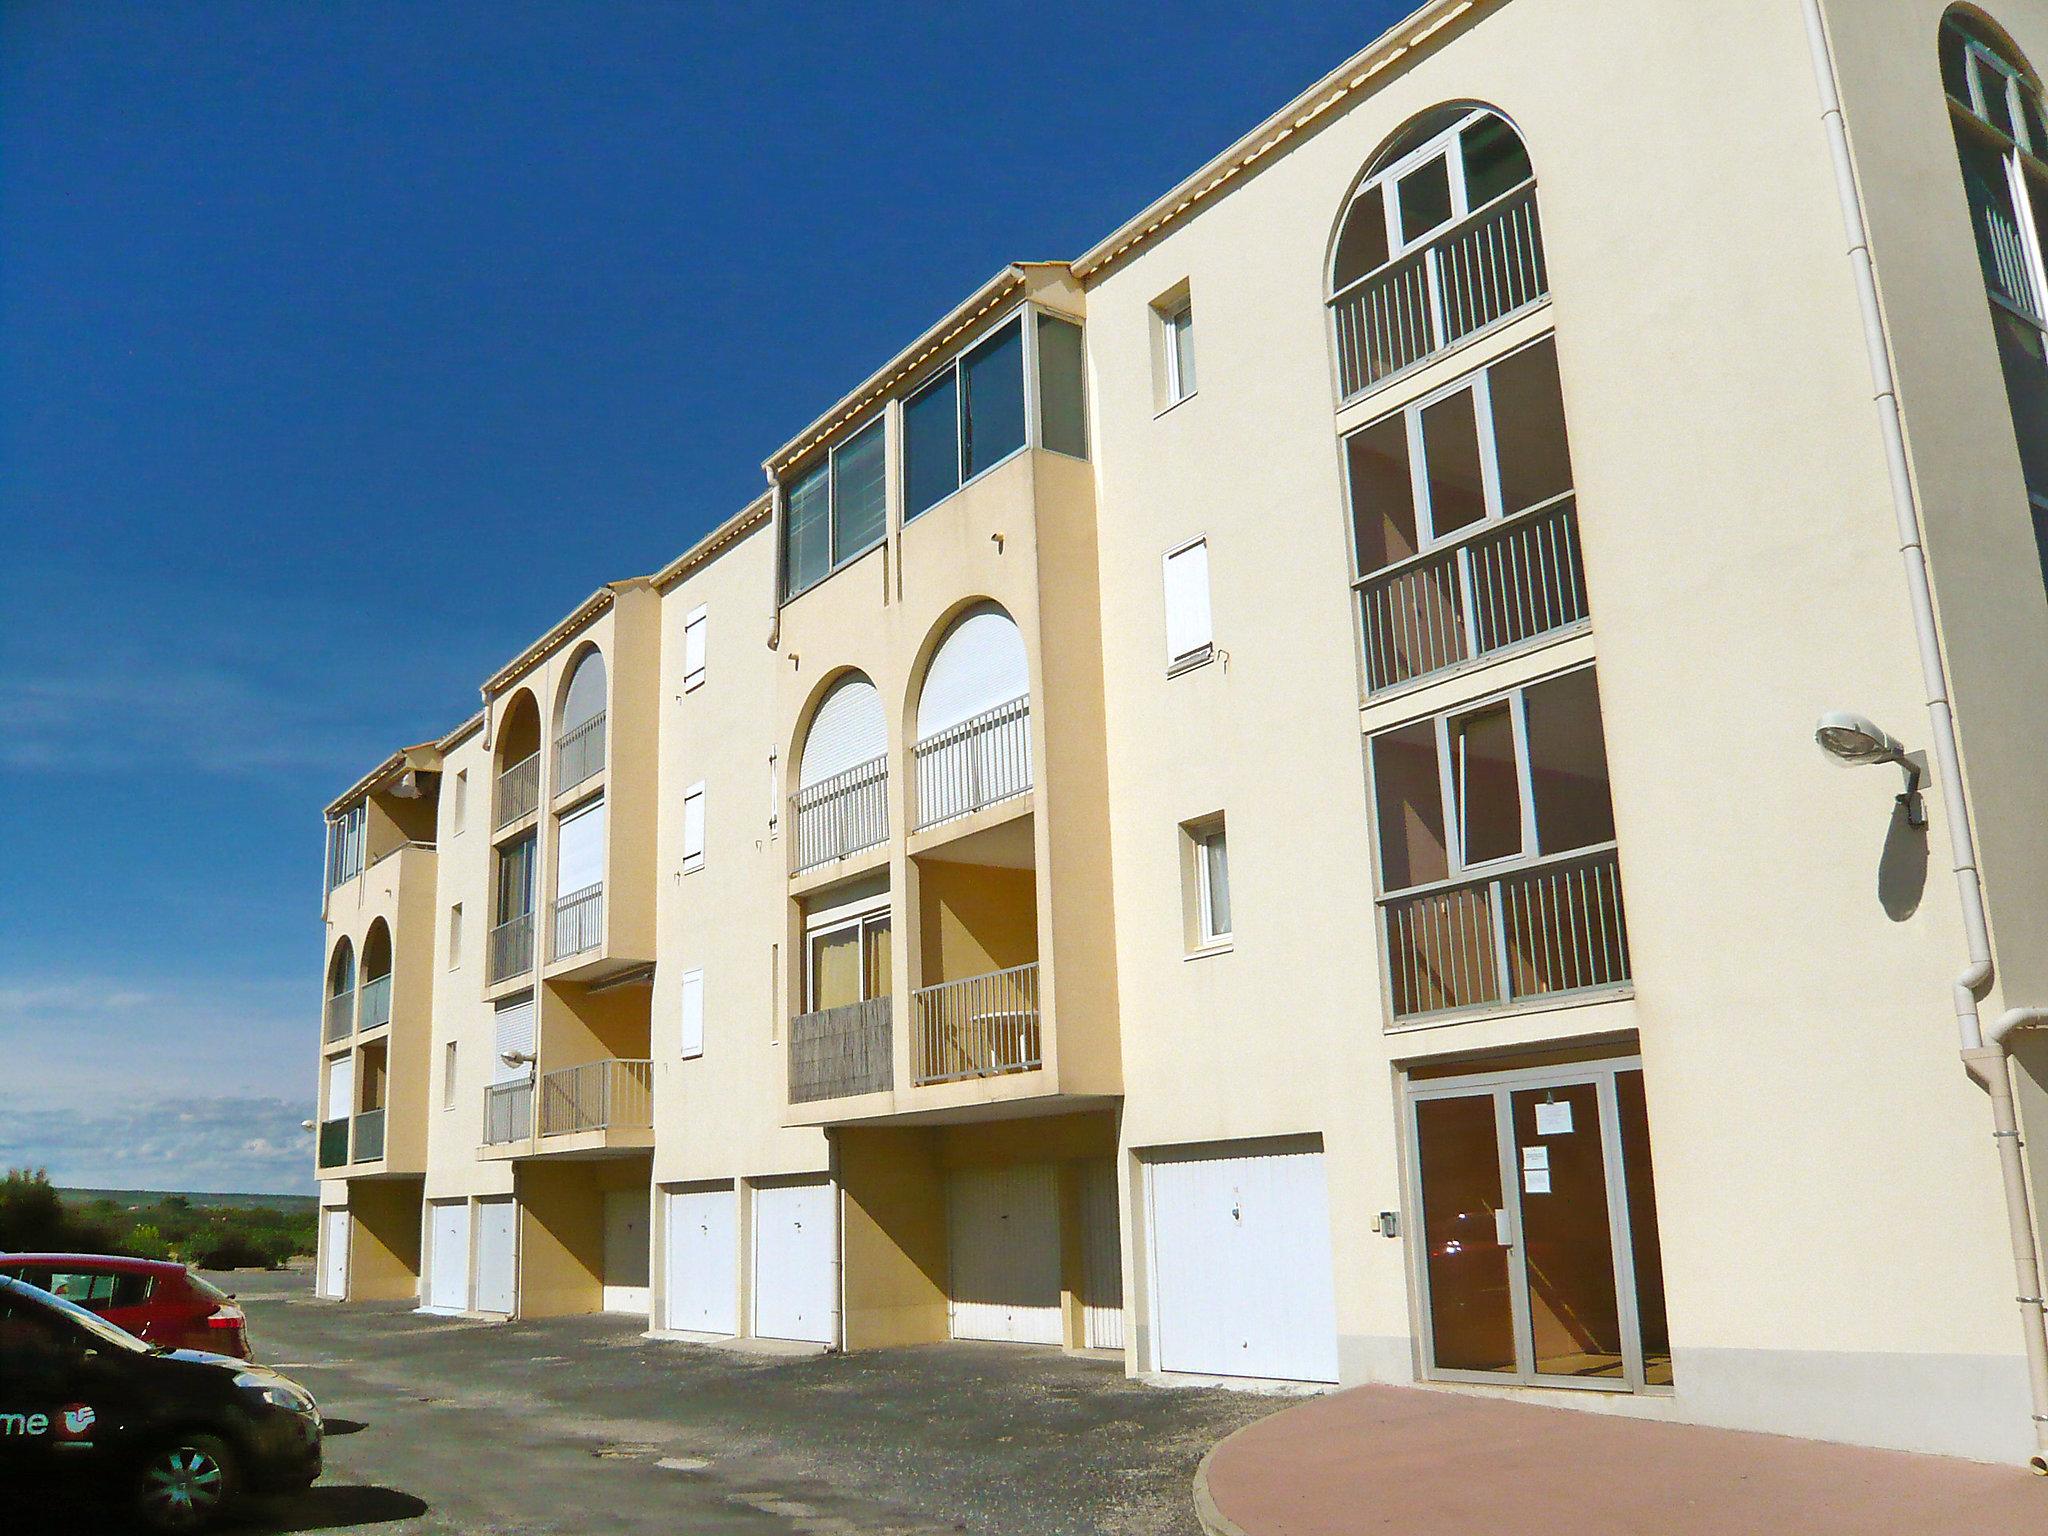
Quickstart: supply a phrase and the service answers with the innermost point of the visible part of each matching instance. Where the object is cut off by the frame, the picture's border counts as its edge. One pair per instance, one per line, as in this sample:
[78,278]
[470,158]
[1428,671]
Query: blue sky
[306,307]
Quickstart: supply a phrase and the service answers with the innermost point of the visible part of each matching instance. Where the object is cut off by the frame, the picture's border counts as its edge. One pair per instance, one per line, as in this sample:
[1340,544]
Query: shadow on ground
[70,1510]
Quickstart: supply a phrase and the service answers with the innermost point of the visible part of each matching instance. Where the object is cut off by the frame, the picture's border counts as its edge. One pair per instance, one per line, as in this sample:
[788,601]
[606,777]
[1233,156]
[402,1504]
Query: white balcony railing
[578,922]
[981,761]
[579,753]
[508,1112]
[518,791]
[374,1009]
[1552,927]
[341,1014]
[512,947]
[1482,269]
[840,815]
[605,1095]
[981,1026]
[835,1053]
[1496,586]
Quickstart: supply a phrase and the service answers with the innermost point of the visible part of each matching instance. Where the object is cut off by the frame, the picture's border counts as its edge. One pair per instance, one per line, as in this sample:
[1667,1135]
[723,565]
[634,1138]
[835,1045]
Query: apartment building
[1269,800]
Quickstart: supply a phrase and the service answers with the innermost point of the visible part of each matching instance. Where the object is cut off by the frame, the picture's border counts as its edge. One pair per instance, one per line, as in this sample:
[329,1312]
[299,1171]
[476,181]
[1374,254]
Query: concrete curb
[1212,1520]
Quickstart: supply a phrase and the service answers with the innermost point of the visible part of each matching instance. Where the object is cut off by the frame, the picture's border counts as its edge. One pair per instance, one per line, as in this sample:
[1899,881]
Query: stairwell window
[455,936]
[459,810]
[1190,640]
[1206,855]
[448,1076]
[1173,347]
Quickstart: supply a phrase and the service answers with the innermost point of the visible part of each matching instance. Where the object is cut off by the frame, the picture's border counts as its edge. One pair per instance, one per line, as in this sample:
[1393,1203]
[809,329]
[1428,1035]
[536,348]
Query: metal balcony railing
[578,922]
[1492,587]
[840,815]
[982,1026]
[518,790]
[369,1143]
[1482,269]
[1539,930]
[606,1095]
[341,1015]
[579,753]
[982,760]
[835,1053]
[512,947]
[374,1009]
[508,1112]
[333,1142]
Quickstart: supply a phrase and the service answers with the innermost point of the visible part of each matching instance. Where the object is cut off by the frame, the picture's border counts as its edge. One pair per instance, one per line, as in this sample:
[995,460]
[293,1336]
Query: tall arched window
[341,991]
[973,718]
[1439,240]
[2002,141]
[579,742]
[842,800]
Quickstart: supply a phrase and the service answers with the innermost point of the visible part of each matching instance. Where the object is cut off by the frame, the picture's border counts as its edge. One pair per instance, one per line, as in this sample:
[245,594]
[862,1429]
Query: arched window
[375,1008]
[341,970]
[1439,240]
[973,717]
[2001,136]
[842,800]
[340,1011]
[579,743]
[518,757]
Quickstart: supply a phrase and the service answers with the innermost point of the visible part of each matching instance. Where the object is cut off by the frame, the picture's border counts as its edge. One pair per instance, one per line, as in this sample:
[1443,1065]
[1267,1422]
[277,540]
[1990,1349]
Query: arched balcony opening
[580,733]
[341,992]
[841,804]
[373,1009]
[973,739]
[518,760]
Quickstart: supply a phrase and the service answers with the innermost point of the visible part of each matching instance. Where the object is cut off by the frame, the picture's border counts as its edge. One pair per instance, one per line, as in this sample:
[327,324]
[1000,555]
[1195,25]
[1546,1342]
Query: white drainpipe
[1984,1052]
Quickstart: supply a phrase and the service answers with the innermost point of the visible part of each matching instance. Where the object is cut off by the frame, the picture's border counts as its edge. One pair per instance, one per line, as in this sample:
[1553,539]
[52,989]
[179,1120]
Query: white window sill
[1222,946]
[1188,663]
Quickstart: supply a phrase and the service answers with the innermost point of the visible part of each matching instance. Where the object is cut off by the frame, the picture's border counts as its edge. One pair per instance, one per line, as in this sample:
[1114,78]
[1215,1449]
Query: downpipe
[1984,1052]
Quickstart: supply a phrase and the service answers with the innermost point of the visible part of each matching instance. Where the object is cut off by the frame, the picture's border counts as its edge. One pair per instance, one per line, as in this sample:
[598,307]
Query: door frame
[1500,1085]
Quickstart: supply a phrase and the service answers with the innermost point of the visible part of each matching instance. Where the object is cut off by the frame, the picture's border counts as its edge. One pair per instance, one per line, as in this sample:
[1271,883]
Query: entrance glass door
[1539,1257]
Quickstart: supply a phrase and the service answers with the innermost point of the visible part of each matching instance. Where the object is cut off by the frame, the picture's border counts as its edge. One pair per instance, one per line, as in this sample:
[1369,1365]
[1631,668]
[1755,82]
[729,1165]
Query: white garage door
[334,1253]
[1102,1269]
[497,1256]
[795,1238]
[1004,1230]
[625,1251]
[703,1261]
[1241,1252]
[448,1245]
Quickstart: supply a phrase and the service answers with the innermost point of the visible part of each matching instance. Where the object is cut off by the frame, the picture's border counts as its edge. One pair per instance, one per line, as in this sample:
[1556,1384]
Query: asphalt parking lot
[581,1425]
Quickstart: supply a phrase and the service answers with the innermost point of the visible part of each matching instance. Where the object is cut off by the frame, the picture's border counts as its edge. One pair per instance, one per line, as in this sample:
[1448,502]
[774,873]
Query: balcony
[376,1002]
[333,1143]
[369,1136]
[518,791]
[980,1026]
[977,763]
[512,948]
[606,1095]
[1547,929]
[1481,270]
[836,1053]
[840,815]
[1485,590]
[341,1015]
[508,1112]
[579,754]
[578,922]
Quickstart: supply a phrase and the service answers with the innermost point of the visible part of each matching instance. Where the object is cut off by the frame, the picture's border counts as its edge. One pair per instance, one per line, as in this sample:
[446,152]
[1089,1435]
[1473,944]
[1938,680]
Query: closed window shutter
[693,648]
[1188,632]
[580,861]
[693,1013]
[847,731]
[979,665]
[341,1088]
[584,699]
[693,826]
[513,1033]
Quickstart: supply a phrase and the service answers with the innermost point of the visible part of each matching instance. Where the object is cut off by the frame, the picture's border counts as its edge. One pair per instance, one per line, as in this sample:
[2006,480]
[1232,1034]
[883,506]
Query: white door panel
[448,1244]
[1102,1273]
[497,1256]
[795,1243]
[334,1253]
[1004,1235]
[702,1281]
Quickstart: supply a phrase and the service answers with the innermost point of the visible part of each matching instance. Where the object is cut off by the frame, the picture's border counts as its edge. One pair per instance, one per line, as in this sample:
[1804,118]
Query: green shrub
[145,1242]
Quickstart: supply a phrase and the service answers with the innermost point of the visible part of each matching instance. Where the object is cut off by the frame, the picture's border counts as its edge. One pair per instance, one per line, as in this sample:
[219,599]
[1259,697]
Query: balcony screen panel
[1528,428]
[1488,786]
[1362,245]
[515,879]
[579,861]
[848,730]
[979,665]
[931,444]
[512,1031]
[1495,161]
[341,1087]
[1450,448]
[584,700]
[1409,801]
[858,506]
[992,400]
[1568,763]
[1382,494]
[1062,398]
[807,528]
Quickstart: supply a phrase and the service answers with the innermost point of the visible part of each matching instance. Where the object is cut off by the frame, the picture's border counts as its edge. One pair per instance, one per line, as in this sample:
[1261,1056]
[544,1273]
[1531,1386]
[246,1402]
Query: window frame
[346,837]
[864,919]
[1202,836]
[450,1055]
[952,368]
[1177,328]
[455,936]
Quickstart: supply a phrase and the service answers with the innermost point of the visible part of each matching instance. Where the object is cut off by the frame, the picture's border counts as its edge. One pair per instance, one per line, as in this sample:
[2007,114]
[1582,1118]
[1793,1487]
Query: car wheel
[185,1484]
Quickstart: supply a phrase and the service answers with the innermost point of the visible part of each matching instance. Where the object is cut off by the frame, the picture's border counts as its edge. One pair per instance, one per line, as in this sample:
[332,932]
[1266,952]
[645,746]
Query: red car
[157,1301]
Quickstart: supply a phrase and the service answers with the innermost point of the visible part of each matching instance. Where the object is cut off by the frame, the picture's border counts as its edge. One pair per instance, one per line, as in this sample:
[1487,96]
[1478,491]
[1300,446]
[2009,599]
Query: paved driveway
[580,1425]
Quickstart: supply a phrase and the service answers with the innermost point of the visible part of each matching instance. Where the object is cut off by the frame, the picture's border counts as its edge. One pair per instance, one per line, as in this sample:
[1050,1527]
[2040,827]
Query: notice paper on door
[1536,1159]
[1535,1181]
[1554,1119]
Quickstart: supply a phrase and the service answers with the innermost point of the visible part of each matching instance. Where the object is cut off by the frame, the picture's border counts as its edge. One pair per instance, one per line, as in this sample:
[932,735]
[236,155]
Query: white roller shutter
[585,699]
[1189,633]
[1102,1273]
[497,1256]
[1003,1228]
[513,1033]
[848,730]
[448,1254]
[579,857]
[795,1239]
[979,665]
[1242,1266]
[702,1280]
[341,1087]
[334,1253]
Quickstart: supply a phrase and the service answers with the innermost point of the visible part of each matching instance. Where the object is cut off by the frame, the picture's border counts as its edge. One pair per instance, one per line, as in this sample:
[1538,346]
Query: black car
[176,1435]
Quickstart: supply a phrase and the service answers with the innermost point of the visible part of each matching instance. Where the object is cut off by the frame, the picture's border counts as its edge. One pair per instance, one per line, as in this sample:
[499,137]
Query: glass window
[931,444]
[875,959]
[1382,494]
[515,879]
[1180,352]
[1408,798]
[1568,764]
[1450,442]
[1495,161]
[992,400]
[1487,786]
[1062,399]
[808,529]
[859,509]
[1362,246]
[1215,884]
[850,963]
[1424,195]
[1531,450]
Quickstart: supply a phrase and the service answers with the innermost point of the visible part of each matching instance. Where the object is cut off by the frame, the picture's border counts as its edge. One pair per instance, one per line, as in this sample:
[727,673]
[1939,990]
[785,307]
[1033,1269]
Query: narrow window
[515,879]
[448,1075]
[1177,332]
[992,401]
[1568,764]
[455,936]
[1062,401]
[1487,786]
[693,1013]
[693,647]
[1409,805]
[1212,883]
[1189,638]
[774,993]
[693,828]
[459,812]
[931,444]
[807,519]
[859,510]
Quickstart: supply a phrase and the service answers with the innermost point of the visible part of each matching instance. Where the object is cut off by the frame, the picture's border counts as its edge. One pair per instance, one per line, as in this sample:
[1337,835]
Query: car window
[206,1288]
[131,1290]
[91,1291]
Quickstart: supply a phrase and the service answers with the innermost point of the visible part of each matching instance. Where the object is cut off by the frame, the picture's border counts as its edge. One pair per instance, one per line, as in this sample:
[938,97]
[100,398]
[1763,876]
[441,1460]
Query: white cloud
[227,1145]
